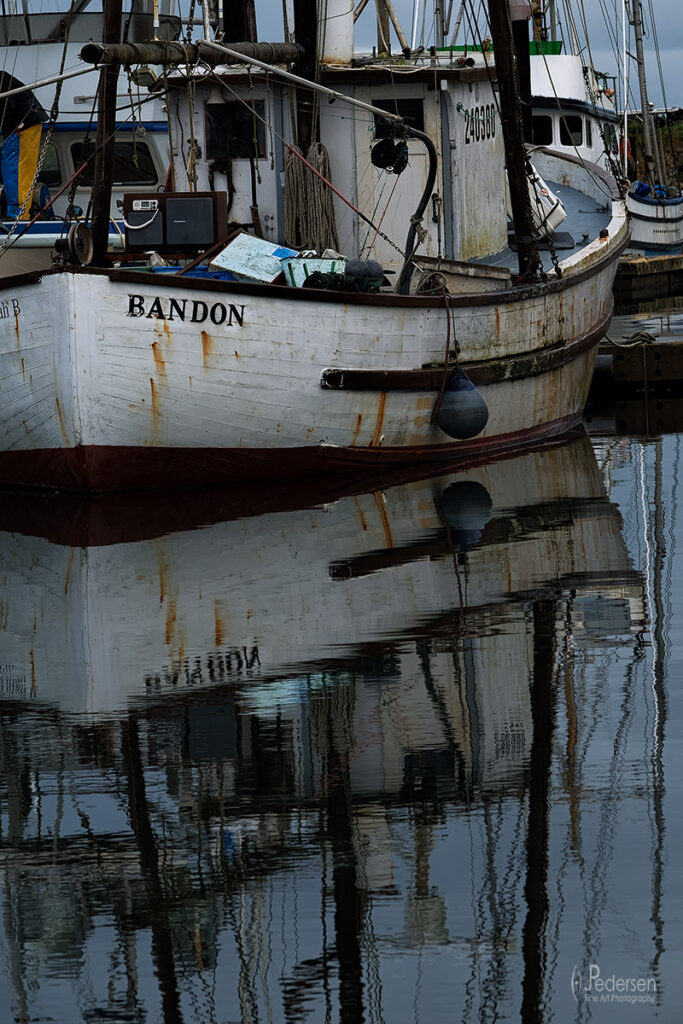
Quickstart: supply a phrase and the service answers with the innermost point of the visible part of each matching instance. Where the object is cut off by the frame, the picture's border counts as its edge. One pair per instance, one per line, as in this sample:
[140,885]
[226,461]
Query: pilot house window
[542,130]
[133,163]
[571,130]
[411,110]
[235,130]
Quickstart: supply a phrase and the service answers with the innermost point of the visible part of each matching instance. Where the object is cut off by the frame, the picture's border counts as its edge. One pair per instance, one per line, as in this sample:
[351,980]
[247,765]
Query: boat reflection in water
[303,765]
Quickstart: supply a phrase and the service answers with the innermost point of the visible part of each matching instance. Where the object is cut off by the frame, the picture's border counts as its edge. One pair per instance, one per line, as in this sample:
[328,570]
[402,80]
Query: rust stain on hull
[163,587]
[377,436]
[207,345]
[170,621]
[361,515]
[159,359]
[155,410]
[62,423]
[356,432]
[69,569]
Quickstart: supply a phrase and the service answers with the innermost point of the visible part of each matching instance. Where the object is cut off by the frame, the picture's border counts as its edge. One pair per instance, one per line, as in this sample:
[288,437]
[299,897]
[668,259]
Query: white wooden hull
[655,226]
[113,379]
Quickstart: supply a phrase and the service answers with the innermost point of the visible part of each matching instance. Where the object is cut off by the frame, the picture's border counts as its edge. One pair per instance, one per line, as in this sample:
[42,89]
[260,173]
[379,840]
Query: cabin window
[571,130]
[133,163]
[542,130]
[589,132]
[411,110]
[235,130]
[50,173]
[610,136]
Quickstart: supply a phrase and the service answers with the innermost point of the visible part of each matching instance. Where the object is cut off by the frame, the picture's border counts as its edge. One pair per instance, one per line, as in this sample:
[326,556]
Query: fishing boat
[266,320]
[574,110]
[655,204]
[43,78]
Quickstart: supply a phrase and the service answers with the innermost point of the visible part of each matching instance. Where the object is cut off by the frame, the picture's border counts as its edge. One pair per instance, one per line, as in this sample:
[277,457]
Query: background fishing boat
[203,371]
[576,110]
[655,204]
[574,105]
[40,53]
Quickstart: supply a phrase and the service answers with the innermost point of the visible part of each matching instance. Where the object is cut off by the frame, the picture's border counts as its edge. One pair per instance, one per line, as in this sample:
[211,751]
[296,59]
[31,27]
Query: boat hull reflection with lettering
[288,762]
[95,627]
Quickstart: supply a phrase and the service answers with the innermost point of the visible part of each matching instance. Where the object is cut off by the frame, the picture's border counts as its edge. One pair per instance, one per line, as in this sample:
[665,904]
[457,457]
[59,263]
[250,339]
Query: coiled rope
[309,214]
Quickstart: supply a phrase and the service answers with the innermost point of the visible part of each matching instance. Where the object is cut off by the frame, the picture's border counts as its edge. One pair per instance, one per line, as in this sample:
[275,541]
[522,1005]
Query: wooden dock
[643,349]
[640,278]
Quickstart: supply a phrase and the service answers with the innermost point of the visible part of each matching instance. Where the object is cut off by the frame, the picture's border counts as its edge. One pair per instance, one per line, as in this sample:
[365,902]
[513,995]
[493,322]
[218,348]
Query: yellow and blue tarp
[18,163]
[21,120]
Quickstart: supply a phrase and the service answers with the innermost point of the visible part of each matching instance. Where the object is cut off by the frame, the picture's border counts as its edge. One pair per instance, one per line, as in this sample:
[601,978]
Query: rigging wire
[655,40]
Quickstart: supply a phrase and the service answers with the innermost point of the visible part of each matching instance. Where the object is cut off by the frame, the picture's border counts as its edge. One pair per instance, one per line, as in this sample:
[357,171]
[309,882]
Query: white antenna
[416,16]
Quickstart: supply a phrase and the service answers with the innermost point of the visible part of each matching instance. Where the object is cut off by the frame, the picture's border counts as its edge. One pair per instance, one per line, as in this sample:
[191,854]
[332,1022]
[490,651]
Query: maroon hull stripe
[102,468]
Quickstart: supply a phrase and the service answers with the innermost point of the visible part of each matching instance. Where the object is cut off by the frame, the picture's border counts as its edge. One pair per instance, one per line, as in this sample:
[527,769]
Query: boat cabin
[243,139]
[573,106]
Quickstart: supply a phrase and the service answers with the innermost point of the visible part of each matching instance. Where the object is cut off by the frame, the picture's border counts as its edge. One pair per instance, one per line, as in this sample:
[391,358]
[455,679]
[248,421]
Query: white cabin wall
[478,223]
[384,196]
[477,161]
[338,136]
[268,178]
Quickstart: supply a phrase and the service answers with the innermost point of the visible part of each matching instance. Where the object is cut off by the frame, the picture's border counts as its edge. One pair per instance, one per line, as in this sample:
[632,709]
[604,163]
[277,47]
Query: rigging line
[386,207]
[674,162]
[612,27]
[385,181]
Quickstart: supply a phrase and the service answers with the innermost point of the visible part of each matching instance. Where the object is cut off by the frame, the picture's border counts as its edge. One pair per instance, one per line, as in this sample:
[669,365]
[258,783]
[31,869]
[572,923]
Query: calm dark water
[411,754]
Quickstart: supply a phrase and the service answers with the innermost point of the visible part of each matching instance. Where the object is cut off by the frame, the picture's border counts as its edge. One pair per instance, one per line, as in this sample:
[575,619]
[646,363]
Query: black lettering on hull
[197,312]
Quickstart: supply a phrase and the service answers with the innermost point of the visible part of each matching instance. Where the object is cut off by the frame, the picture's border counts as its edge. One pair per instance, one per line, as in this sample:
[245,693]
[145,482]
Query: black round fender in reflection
[466,508]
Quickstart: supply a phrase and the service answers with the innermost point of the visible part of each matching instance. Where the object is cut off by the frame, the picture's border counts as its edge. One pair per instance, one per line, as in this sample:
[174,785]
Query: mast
[306,35]
[516,158]
[106,124]
[239,21]
[652,161]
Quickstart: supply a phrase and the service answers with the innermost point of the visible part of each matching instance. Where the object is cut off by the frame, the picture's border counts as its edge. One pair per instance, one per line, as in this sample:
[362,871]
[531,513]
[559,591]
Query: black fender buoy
[463,413]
